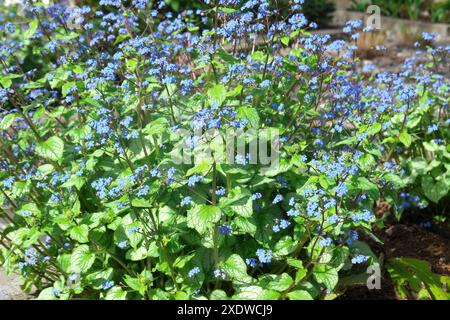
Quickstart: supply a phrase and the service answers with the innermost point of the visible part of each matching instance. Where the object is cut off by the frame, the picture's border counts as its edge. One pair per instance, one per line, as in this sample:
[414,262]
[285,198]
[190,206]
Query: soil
[411,241]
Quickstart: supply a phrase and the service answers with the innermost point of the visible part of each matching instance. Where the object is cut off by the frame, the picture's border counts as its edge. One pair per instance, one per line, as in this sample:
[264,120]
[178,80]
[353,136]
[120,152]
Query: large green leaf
[235,267]
[217,94]
[299,295]
[82,259]
[116,293]
[51,149]
[405,138]
[434,190]
[7,121]
[326,275]
[279,283]
[32,27]
[80,233]
[415,275]
[203,217]
[368,187]
[251,114]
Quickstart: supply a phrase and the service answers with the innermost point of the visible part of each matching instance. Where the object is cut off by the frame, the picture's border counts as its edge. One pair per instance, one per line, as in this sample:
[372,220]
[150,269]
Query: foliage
[94,112]
[414,277]
[319,11]
[409,9]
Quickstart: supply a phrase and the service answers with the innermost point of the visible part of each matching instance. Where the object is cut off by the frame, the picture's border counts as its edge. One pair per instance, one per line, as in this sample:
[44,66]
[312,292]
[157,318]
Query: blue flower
[252,262]
[278,198]
[56,292]
[429,36]
[101,186]
[8,182]
[225,229]
[194,179]
[220,274]
[186,200]
[73,277]
[143,191]
[341,189]
[221,191]
[107,284]
[264,256]
[366,216]
[193,272]
[433,128]
[256,196]
[325,242]
[25,213]
[265,84]
[359,259]
[122,244]
[133,229]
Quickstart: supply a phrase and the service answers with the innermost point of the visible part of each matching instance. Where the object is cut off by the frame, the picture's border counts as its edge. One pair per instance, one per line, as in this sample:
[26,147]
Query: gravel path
[10,285]
[10,288]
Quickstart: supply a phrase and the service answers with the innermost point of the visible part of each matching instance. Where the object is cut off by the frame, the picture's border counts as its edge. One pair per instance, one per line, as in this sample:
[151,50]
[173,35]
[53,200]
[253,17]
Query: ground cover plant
[98,103]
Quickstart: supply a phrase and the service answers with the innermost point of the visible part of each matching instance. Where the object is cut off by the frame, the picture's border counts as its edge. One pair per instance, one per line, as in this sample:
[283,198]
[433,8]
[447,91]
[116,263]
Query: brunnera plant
[96,103]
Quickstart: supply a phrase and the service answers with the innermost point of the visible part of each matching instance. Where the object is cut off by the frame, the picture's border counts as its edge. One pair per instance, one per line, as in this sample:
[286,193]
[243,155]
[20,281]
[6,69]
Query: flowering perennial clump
[92,113]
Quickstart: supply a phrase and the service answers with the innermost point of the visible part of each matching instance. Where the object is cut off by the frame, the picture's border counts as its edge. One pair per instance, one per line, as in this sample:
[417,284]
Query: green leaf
[63,262]
[374,129]
[217,94]
[281,282]
[218,295]
[249,293]
[227,10]
[203,217]
[245,210]
[201,168]
[51,149]
[66,87]
[299,295]
[82,259]
[32,27]
[245,225]
[132,64]
[7,121]
[405,138]
[434,190]
[235,268]
[137,254]
[412,274]
[326,275]
[285,246]
[227,57]
[251,114]
[116,293]
[363,184]
[156,126]
[80,233]
[141,203]
[136,284]
[47,294]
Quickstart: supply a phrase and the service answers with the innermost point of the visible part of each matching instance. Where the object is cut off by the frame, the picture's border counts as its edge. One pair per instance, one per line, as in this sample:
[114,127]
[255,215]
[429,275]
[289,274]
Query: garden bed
[410,241]
[94,119]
